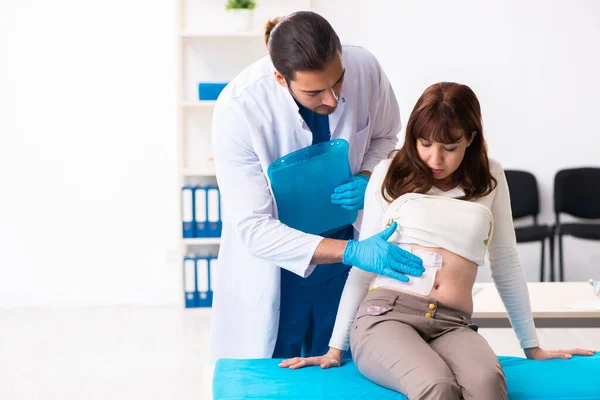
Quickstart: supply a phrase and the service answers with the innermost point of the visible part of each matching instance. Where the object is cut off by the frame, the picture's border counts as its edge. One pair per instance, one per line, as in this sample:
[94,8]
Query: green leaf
[240,4]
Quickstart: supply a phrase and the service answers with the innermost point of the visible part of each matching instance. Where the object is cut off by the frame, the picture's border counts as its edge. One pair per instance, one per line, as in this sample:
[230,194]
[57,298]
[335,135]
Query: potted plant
[241,13]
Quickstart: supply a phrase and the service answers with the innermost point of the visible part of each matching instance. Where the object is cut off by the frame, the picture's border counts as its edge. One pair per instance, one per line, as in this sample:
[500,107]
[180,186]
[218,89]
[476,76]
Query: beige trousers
[423,349]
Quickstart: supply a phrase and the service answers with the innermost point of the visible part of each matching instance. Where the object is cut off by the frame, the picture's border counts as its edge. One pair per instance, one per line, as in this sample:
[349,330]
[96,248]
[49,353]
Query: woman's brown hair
[445,112]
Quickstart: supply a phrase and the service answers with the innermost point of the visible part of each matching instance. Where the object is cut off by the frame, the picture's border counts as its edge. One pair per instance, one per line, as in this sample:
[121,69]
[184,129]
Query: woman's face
[443,159]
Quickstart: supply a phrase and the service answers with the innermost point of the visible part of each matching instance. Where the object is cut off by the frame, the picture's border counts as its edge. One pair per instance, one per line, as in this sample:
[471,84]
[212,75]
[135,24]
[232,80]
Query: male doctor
[279,288]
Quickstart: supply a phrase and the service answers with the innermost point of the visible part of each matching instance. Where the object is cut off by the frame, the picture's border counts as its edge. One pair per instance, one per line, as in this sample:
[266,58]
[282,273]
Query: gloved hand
[377,255]
[351,195]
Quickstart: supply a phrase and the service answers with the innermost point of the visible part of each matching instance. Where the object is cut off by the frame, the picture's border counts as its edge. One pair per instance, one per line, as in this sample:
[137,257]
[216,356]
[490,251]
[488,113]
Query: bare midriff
[453,283]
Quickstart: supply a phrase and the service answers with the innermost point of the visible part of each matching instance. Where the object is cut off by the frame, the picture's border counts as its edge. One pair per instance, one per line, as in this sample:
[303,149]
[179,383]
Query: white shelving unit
[209,52]
[197,104]
[190,172]
[202,241]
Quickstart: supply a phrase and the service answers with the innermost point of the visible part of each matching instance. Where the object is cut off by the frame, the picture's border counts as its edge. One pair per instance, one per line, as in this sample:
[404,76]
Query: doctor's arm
[250,208]
[510,280]
[247,197]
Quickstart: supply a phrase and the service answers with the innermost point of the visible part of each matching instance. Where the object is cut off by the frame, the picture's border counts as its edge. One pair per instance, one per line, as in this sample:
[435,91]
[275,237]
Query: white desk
[550,303]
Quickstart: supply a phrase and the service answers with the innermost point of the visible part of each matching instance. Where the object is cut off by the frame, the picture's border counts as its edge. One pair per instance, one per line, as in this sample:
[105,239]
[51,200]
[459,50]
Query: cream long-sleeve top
[504,262]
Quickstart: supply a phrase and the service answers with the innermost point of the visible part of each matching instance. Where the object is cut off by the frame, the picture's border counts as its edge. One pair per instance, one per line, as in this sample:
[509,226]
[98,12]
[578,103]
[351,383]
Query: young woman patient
[445,201]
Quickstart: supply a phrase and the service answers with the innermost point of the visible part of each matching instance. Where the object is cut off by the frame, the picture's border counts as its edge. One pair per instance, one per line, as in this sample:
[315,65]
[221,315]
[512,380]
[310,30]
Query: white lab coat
[255,122]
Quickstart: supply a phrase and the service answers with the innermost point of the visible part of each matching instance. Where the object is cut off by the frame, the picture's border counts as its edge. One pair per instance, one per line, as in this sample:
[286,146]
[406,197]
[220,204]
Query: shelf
[216,35]
[201,311]
[199,171]
[198,104]
[202,241]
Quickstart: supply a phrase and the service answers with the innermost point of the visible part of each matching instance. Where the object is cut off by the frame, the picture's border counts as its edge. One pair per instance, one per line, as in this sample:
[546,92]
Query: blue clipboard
[302,183]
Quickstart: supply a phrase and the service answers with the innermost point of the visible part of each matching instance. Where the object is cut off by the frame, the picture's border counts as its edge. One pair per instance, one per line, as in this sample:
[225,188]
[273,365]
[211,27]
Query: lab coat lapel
[302,136]
[336,116]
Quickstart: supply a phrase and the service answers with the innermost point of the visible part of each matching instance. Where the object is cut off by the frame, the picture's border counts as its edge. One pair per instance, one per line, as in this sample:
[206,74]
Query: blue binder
[189,281]
[200,212]
[202,283]
[302,183]
[213,196]
[210,90]
[187,211]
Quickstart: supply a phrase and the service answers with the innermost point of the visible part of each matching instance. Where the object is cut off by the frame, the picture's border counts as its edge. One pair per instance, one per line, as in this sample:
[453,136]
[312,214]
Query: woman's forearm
[512,287]
[337,353]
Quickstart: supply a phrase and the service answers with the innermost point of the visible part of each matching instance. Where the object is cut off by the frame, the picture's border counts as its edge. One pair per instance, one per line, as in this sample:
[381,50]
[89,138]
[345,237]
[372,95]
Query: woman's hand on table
[333,358]
[537,353]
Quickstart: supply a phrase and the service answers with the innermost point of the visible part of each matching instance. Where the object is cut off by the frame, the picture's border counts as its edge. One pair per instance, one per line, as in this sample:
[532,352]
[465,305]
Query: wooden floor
[128,353]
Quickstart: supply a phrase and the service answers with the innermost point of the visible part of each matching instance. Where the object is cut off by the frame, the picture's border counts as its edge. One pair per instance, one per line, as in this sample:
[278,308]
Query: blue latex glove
[351,195]
[377,255]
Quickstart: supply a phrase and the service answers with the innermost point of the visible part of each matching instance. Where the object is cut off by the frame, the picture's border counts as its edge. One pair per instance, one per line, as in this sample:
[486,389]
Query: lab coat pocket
[359,145]
[251,285]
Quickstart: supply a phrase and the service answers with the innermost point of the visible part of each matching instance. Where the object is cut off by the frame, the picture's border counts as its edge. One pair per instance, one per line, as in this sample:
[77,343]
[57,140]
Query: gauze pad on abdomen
[432,262]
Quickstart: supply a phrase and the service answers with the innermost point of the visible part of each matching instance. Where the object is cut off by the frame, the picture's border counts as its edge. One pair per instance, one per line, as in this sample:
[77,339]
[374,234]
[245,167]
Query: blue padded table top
[574,379]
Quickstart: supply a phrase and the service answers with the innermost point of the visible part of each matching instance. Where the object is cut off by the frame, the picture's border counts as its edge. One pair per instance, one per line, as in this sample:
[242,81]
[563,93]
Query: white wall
[88,160]
[533,64]
[89,191]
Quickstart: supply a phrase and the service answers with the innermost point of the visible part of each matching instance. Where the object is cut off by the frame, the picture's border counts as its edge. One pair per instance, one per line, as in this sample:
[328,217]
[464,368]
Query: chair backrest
[523,189]
[577,192]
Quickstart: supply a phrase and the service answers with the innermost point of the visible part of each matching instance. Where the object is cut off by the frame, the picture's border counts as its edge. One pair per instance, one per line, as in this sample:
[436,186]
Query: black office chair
[525,202]
[577,193]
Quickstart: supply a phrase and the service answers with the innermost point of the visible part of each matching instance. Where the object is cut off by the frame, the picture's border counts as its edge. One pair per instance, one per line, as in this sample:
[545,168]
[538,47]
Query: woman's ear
[471,138]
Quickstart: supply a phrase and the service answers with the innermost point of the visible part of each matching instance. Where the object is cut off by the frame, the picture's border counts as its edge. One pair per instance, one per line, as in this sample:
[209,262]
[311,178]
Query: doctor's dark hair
[444,113]
[301,41]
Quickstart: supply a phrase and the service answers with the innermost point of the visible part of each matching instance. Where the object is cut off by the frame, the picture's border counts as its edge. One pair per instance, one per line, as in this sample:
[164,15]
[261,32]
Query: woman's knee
[437,389]
[485,383]
[431,382]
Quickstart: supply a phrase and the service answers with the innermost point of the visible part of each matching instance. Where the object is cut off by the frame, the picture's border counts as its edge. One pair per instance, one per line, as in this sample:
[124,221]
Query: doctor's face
[319,91]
